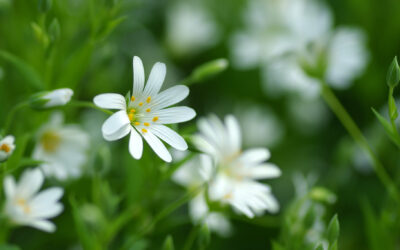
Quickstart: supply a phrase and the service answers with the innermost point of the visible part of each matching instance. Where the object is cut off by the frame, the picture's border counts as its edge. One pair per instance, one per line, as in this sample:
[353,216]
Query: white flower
[7,147]
[236,172]
[192,175]
[49,99]
[182,19]
[25,206]
[284,36]
[146,112]
[62,148]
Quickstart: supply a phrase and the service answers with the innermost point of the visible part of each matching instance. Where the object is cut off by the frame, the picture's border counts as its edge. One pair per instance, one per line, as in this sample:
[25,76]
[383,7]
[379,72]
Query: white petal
[254,156]
[135,144]
[157,146]
[138,76]
[169,136]
[43,225]
[48,196]
[122,132]
[234,133]
[263,171]
[115,123]
[30,183]
[170,97]
[156,79]
[110,101]
[207,167]
[173,115]
[9,187]
[8,140]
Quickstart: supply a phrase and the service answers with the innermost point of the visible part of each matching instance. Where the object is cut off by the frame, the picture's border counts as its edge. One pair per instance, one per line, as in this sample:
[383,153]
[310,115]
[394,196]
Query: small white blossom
[62,148]
[236,173]
[146,113]
[26,206]
[7,147]
[50,99]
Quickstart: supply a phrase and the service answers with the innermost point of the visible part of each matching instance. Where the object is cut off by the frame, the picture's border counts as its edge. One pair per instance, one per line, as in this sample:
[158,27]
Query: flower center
[137,110]
[50,141]
[24,205]
[5,148]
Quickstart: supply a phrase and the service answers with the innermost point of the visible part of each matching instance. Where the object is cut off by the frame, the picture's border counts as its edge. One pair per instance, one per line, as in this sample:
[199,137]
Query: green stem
[191,238]
[392,121]
[358,136]
[84,104]
[11,115]
[4,230]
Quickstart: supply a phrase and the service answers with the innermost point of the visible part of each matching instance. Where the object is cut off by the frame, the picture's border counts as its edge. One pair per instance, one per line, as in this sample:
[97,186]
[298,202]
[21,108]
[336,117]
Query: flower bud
[49,99]
[7,147]
[54,30]
[393,75]
[207,70]
[45,5]
[321,194]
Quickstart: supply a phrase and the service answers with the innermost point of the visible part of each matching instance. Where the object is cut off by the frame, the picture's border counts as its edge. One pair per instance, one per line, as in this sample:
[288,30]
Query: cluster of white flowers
[290,39]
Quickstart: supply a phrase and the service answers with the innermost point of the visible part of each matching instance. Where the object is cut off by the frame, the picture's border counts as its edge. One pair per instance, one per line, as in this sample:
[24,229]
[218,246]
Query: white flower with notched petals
[146,113]
[192,175]
[26,206]
[62,148]
[7,147]
[236,172]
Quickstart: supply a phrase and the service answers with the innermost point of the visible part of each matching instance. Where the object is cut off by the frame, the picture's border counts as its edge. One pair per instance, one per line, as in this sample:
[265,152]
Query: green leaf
[393,113]
[168,243]
[333,230]
[110,27]
[388,128]
[204,236]
[28,72]
[393,74]
[333,246]
[54,30]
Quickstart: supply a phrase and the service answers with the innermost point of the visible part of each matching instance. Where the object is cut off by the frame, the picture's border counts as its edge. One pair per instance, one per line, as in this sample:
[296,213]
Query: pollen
[228,196]
[22,203]
[5,148]
[144,130]
[50,141]
[148,110]
[132,111]
[137,123]
[132,99]
[146,124]
[148,99]
[131,116]
[140,104]
[155,118]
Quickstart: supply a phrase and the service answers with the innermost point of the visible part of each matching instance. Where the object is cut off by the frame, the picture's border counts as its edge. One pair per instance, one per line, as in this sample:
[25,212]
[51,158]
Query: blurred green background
[91,52]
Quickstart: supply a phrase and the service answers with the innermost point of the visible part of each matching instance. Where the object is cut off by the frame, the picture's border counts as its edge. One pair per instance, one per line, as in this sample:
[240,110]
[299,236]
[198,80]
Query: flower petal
[170,97]
[156,79]
[138,76]
[115,124]
[9,187]
[234,133]
[135,144]
[157,146]
[110,101]
[43,225]
[169,136]
[173,115]
[30,183]
[254,156]
[263,171]
[122,132]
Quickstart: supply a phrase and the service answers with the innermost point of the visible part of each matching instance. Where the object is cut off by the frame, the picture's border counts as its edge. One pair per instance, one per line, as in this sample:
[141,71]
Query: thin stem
[358,136]
[85,104]
[11,115]
[191,238]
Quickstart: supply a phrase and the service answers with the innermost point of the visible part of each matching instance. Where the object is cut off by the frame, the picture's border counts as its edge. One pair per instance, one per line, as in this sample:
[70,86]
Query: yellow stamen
[51,141]
[131,116]
[155,118]
[132,111]
[144,130]
[146,124]
[140,104]
[137,123]
[5,148]
[132,98]
[228,196]
[21,202]
[148,99]
[148,110]
[25,207]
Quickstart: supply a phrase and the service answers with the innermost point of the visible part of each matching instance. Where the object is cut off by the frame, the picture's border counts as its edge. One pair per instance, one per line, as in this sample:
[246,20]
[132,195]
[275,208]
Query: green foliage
[393,75]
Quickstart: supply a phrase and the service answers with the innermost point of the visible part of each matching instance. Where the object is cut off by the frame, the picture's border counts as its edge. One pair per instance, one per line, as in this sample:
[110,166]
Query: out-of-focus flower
[262,126]
[25,206]
[145,113]
[7,147]
[62,148]
[192,175]
[183,18]
[294,43]
[236,172]
[49,99]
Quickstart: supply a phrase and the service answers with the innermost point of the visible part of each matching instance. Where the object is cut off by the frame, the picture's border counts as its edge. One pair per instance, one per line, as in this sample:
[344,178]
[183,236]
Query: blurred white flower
[49,99]
[262,126]
[146,112]
[62,148]
[236,172]
[7,147]
[192,175]
[25,206]
[185,17]
[287,38]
